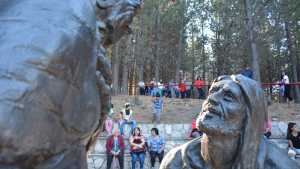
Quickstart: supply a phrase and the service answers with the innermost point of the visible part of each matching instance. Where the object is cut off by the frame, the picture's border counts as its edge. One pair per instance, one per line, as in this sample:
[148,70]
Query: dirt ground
[184,110]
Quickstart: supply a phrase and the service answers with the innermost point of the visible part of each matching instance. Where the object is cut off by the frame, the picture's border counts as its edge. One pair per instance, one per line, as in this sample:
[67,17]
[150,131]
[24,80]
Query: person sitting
[117,122]
[137,148]
[109,122]
[128,121]
[195,133]
[108,125]
[293,136]
[115,149]
[156,145]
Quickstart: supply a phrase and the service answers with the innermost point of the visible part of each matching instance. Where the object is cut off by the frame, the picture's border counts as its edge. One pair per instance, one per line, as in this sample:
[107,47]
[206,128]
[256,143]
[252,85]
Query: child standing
[157,108]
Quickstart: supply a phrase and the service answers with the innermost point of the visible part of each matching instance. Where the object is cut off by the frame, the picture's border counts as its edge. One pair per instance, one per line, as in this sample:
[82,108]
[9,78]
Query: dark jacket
[110,142]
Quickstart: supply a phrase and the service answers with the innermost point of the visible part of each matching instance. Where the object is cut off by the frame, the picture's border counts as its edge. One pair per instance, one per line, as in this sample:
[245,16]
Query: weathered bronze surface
[232,119]
[54,78]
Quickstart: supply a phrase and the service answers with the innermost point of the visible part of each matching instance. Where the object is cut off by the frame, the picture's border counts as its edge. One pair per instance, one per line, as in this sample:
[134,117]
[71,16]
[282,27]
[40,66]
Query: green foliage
[215,38]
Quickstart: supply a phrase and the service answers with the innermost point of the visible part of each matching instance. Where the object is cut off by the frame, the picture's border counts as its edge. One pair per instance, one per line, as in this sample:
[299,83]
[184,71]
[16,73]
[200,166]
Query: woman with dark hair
[293,136]
[137,148]
[156,145]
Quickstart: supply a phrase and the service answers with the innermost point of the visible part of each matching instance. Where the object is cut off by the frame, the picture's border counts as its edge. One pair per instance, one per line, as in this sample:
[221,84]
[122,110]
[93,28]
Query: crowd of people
[184,89]
[198,88]
[123,134]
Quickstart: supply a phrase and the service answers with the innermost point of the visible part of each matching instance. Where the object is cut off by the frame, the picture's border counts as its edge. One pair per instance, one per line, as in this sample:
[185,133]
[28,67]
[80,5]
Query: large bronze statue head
[232,119]
[234,113]
[51,97]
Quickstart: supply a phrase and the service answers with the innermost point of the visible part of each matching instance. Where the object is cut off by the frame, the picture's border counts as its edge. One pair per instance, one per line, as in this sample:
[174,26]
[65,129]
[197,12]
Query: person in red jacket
[199,84]
[115,149]
[182,89]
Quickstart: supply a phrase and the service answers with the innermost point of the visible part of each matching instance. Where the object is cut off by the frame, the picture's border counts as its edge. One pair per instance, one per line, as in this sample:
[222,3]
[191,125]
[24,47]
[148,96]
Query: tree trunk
[115,69]
[141,54]
[203,53]
[292,59]
[156,43]
[193,54]
[180,52]
[249,27]
[125,66]
[124,88]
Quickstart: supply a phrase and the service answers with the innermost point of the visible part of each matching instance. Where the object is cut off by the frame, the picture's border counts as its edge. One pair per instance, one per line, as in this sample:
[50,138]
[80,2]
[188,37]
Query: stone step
[279,129]
[166,130]
[173,131]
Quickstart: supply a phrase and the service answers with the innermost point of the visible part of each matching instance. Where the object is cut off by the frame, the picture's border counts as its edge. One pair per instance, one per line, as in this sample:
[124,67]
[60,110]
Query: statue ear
[105,3]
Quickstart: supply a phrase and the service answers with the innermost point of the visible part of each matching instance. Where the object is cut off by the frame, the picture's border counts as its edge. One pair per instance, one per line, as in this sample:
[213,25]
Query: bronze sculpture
[49,97]
[232,119]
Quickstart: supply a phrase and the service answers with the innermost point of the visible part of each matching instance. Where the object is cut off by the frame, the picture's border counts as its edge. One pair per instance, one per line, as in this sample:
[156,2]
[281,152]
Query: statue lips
[208,118]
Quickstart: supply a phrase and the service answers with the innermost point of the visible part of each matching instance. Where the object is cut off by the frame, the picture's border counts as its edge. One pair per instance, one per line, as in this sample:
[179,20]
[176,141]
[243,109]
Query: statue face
[117,15]
[224,111]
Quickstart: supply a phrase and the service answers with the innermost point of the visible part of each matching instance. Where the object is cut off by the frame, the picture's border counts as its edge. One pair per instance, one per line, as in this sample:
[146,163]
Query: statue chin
[213,125]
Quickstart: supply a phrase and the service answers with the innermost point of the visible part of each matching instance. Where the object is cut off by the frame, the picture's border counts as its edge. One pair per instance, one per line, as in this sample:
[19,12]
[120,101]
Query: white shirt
[141,84]
[286,79]
[127,116]
[160,86]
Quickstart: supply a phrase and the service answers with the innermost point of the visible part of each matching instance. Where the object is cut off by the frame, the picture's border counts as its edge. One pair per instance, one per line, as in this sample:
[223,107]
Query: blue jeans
[137,156]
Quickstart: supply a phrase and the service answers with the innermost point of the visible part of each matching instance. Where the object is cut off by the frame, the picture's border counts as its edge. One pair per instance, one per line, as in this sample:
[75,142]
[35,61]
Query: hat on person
[127,105]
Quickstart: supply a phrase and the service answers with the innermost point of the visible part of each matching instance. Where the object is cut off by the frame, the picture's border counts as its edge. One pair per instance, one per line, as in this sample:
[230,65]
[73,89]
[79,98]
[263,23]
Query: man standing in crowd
[141,85]
[189,88]
[157,108]
[182,89]
[199,84]
[287,88]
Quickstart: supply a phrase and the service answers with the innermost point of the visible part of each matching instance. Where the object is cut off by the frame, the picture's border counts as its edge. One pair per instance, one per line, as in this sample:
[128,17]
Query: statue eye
[213,90]
[229,96]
